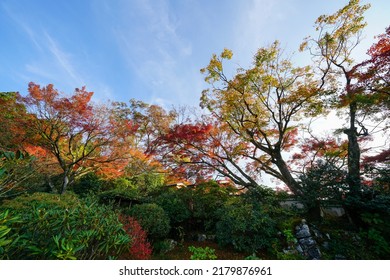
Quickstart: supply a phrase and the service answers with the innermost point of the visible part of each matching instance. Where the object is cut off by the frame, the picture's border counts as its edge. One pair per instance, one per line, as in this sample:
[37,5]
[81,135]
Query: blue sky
[149,50]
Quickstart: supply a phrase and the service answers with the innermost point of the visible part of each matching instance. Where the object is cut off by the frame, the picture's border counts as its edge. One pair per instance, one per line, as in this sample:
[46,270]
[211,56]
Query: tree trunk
[353,178]
[65,182]
[288,179]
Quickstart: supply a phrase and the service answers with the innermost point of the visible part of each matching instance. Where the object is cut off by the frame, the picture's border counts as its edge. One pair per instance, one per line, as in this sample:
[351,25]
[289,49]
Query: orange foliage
[80,136]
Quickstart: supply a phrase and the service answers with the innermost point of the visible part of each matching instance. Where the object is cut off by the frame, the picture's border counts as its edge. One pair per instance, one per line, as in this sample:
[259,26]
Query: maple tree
[189,150]
[314,150]
[372,86]
[254,118]
[373,75]
[11,112]
[151,121]
[338,35]
[263,106]
[78,136]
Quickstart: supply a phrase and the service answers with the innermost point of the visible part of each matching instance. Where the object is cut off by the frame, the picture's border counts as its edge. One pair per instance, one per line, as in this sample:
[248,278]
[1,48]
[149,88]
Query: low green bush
[200,253]
[152,218]
[8,237]
[246,227]
[65,227]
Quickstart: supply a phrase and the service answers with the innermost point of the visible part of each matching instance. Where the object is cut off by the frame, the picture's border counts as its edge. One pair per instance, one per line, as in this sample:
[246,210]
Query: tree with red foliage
[372,85]
[314,150]
[78,135]
[373,75]
[151,121]
[191,151]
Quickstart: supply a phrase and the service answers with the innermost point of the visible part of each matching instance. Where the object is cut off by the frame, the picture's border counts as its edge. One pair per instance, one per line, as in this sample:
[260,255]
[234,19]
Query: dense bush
[125,191]
[140,248]
[174,204]
[323,182]
[152,218]
[8,237]
[247,227]
[65,227]
[120,197]
[17,174]
[89,183]
[148,183]
[207,199]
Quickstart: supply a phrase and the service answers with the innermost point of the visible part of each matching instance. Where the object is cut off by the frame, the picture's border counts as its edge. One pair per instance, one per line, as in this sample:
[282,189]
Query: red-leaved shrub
[140,248]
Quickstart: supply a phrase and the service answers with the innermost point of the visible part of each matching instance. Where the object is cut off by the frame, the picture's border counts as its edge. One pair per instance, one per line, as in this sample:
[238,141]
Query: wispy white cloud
[23,25]
[39,71]
[63,60]
[154,50]
[48,61]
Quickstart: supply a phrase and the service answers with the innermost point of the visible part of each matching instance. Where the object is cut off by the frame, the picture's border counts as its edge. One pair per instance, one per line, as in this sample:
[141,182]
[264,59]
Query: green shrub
[65,227]
[148,183]
[207,199]
[7,235]
[152,218]
[323,182]
[246,227]
[376,243]
[25,203]
[120,197]
[200,253]
[89,183]
[174,205]
[17,174]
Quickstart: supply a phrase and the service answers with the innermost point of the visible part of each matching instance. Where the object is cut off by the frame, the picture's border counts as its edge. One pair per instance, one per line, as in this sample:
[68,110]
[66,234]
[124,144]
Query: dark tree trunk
[353,178]
[287,178]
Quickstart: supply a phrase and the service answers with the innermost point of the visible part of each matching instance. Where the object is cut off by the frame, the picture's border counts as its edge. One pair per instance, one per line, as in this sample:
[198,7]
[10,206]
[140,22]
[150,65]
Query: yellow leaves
[266,55]
[304,44]
[214,70]
[227,54]
[339,33]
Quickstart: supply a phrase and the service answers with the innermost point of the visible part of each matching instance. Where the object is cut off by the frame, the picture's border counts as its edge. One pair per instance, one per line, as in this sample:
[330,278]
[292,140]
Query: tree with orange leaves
[11,113]
[79,136]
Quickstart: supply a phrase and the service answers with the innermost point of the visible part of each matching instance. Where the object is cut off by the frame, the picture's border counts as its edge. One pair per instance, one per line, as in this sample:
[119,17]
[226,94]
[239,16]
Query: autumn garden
[86,180]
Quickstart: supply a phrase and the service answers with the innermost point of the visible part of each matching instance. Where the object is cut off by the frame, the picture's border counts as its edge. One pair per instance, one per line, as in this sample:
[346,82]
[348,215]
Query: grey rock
[202,237]
[299,249]
[303,233]
[307,242]
[314,253]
